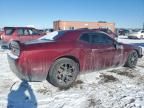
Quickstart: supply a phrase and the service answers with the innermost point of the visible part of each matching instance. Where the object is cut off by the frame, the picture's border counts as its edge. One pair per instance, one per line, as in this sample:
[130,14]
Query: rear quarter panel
[37,59]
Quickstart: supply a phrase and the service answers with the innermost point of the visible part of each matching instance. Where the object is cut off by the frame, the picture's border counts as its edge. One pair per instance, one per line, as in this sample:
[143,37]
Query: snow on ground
[112,88]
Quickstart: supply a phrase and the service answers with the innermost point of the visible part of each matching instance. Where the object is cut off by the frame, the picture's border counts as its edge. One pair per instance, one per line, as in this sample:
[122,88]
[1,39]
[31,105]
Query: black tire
[132,59]
[63,73]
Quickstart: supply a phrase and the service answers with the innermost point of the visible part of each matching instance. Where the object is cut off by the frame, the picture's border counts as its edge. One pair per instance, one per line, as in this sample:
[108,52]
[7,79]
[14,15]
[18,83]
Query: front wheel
[132,59]
[63,73]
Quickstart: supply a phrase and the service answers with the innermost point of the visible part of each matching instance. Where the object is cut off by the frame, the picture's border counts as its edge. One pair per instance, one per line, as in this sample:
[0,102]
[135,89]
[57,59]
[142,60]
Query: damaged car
[61,55]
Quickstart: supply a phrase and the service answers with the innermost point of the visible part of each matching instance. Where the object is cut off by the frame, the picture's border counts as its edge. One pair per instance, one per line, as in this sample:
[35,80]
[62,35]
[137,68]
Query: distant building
[69,25]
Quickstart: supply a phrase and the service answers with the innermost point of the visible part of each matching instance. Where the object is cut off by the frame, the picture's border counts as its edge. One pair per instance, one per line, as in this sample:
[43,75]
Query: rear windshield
[9,31]
[53,35]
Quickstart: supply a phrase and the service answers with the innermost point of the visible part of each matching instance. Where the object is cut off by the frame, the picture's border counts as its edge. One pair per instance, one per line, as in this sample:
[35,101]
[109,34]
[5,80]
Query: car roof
[75,34]
[17,27]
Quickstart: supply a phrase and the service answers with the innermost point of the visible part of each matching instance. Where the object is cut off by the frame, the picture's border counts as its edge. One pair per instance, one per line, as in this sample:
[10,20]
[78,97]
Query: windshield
[52,36]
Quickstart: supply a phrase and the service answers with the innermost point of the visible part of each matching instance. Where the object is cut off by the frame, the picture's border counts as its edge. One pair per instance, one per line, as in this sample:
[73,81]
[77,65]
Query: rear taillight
[15,48]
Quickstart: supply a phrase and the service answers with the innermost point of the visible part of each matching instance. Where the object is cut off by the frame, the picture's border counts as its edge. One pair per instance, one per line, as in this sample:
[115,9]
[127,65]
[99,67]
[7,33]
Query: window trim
[83,40]
[90,41]
[23,32]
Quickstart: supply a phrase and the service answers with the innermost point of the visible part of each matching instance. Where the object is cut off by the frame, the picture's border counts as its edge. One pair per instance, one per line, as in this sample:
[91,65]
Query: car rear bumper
[21,73]
[15,69]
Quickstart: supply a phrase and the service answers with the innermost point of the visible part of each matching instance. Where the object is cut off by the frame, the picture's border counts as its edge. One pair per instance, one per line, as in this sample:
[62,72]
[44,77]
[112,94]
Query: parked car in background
[41,31]
[60,56]
[123,32]
[139,34]
[49,30]
[45,31]
[21,34]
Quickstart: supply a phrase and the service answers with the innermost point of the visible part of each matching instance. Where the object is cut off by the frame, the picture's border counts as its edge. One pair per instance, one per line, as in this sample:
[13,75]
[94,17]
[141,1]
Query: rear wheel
[63,73]
[132,59]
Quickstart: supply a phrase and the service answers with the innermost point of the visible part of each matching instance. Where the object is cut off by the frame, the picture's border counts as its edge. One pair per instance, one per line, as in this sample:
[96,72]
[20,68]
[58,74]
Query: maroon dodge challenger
[60,56]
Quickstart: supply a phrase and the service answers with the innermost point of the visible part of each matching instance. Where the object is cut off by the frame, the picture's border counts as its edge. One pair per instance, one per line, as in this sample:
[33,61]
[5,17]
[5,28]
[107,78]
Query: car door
[103,51]
[23,33]
[85,52]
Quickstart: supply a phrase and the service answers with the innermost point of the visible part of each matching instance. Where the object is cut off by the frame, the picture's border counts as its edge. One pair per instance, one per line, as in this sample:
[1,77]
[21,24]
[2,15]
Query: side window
[23,32]
[26,32]
[30,32]
[85,37]
[100,38]
[20,32]
[9,31]
[33,32]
